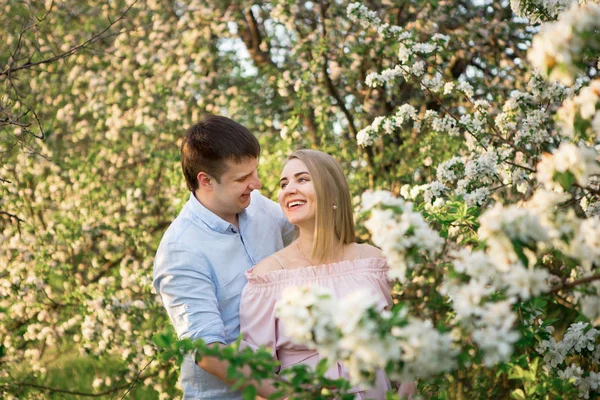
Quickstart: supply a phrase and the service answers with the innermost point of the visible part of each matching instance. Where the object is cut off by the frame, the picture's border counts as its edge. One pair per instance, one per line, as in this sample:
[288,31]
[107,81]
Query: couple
[226,258]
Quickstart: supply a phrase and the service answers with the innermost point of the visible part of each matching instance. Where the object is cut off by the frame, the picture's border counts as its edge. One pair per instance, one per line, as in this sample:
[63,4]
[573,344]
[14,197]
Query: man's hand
[218,368]
[407,390]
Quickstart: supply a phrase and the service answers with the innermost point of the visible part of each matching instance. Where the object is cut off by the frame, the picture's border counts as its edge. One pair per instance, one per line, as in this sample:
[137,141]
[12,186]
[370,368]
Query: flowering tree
[489,218]
[514,244]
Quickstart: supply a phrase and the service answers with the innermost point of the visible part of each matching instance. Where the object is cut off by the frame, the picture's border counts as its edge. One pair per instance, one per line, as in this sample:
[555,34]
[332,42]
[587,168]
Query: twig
[56,390]
[12,216]
[588,188]
[577,282]
[136,379]
[71,51]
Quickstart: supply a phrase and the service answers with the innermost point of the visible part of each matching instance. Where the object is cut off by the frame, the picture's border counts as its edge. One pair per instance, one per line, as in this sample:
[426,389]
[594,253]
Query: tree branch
[8,71]
[13,217]
[577,282]
[64,391]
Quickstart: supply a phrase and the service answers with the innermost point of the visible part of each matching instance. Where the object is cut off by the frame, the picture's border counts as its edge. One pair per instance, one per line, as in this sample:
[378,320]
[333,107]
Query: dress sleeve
[258,324]
[183,280]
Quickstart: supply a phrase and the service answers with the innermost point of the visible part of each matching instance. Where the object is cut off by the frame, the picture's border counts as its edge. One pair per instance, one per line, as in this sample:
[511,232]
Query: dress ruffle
[331,270]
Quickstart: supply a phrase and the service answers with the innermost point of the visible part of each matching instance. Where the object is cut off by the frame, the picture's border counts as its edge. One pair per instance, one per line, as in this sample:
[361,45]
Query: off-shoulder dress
[260,327]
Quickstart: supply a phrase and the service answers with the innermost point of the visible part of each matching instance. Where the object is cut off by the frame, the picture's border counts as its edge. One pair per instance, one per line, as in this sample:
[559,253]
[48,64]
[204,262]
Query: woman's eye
[283,185]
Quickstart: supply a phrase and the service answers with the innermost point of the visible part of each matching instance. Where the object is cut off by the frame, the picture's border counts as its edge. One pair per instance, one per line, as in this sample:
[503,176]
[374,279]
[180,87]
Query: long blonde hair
[334,220]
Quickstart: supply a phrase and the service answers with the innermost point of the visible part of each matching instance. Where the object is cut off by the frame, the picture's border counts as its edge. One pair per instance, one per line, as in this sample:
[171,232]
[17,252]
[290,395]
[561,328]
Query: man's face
[232,194]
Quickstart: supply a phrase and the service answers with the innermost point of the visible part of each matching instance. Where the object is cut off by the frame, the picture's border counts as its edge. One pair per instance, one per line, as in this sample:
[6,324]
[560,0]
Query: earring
[334,207]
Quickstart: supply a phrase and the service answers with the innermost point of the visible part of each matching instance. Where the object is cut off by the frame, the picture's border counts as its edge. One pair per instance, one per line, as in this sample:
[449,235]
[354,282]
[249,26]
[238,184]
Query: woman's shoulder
[273,262]
[267,264]
[367,251]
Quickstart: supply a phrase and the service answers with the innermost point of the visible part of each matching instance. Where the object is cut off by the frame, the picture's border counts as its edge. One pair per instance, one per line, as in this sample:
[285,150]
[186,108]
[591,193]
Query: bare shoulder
[368,251]
[267,264]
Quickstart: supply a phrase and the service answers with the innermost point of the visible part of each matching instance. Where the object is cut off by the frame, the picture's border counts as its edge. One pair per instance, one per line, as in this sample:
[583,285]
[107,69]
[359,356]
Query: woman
[315,198]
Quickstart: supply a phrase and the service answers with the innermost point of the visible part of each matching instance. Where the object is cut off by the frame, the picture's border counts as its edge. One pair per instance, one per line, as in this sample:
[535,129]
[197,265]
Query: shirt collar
[212,220]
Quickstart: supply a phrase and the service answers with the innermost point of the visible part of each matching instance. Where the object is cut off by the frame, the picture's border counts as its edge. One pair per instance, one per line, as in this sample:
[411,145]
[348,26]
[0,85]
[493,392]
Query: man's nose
[255,183]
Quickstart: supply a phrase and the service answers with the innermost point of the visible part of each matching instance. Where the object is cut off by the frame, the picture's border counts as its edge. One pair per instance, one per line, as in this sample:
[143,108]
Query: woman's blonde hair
[334,221]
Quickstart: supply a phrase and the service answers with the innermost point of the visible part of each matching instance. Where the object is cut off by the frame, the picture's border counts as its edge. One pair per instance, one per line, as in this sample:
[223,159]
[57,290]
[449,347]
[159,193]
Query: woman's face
[297,196]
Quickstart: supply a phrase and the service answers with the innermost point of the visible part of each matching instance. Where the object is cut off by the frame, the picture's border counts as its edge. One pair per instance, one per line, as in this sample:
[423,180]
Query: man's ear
[204,180]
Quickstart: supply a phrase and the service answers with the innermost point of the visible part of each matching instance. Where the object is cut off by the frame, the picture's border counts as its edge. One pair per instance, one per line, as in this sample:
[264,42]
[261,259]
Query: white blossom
[501,225]
[557,48]
[578,161]
[401,236]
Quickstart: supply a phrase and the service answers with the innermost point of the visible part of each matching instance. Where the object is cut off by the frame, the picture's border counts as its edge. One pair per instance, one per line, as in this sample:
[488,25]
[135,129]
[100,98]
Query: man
[224,228]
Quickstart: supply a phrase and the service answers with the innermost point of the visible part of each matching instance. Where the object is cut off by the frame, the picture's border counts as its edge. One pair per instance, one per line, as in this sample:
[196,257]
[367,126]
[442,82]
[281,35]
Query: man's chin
[245,201]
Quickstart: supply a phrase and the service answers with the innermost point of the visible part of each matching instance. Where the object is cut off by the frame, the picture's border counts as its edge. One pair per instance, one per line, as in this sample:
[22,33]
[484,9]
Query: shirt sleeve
[186,287]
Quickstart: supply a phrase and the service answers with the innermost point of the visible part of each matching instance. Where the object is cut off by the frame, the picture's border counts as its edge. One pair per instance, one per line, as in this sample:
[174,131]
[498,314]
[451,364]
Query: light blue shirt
[199,274]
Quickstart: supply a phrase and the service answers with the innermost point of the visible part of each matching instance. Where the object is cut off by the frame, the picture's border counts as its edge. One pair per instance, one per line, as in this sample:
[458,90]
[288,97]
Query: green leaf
[249,393]
[565,179]
[321,367]
[519,250]
[162,340]
[518,394]
[238,384]
[233,373]
[277,395]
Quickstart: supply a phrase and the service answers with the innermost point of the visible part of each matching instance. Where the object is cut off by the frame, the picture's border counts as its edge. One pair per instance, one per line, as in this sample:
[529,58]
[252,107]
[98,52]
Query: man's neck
[231,218]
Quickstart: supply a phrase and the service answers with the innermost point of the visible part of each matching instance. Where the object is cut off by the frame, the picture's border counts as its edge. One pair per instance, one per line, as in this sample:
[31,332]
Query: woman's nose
[290,188]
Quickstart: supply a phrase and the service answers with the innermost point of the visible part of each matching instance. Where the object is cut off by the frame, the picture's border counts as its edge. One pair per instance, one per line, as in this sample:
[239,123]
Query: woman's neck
[305,244]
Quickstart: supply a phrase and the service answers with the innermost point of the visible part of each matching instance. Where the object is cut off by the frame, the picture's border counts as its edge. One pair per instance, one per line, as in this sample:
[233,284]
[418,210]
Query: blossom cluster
[389,125]
[585,110]
[412,54]
[580,342]
[469,178]
[355,331]
[492,323]
[402,234]
[558,50]
[431,119]
[308,319]
[540,10]
[567,165]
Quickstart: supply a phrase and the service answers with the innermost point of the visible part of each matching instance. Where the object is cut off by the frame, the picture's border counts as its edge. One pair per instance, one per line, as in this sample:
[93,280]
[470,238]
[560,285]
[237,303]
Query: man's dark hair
[212,141]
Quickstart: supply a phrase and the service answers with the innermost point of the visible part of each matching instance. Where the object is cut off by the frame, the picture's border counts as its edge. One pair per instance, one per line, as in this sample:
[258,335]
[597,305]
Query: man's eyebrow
[295,175]
[244,176]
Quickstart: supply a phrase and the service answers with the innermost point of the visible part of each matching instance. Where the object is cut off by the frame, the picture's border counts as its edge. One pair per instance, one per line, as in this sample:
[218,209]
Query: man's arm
[189,295]
[218,368]
[183,281]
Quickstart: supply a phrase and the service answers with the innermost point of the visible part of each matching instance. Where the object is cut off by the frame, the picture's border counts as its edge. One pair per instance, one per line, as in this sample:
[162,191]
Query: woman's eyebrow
[295,175]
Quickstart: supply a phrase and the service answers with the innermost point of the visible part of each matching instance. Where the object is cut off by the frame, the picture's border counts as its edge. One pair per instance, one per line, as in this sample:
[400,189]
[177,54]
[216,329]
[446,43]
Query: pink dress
[260,326]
